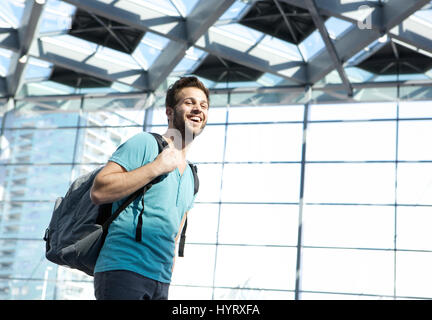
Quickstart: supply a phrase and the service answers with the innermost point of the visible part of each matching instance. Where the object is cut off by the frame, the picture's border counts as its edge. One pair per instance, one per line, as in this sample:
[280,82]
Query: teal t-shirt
[165,203]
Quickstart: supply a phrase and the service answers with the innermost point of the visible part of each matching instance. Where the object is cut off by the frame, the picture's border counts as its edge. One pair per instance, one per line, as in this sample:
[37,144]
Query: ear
[169,113]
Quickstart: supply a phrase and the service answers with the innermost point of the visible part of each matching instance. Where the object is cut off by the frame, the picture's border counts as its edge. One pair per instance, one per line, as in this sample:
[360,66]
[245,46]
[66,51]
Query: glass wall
[42,153]
[341,210]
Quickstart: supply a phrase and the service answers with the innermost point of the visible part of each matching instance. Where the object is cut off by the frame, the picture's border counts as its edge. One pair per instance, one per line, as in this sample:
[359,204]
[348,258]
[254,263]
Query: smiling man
[138,270]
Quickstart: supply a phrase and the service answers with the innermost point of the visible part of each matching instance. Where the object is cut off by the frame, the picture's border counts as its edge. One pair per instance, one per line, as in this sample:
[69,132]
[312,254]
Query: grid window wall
[41,155]
[341,210]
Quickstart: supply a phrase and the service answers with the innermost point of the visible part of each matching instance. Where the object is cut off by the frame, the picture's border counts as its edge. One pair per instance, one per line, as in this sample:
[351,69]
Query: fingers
[169,159]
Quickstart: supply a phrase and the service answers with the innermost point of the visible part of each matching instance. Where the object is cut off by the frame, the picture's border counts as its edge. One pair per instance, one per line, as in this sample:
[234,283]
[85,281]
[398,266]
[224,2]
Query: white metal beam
[192,31]
[319,23]
[26,33]
[81,61]
[392,13]
[203,15]
[137,16]
[415,32]
[259,58]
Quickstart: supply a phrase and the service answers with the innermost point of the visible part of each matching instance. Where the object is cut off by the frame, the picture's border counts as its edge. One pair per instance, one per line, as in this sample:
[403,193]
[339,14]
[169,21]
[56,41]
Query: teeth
[195,118]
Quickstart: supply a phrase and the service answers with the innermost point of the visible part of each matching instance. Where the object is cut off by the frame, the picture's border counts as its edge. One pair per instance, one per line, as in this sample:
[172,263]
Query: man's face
[190,114]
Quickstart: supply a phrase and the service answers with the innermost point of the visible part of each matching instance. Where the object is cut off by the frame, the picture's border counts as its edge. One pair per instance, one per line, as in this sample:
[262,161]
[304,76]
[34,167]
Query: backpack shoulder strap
[162,144]
[196,187]
[195,175]
[160,141]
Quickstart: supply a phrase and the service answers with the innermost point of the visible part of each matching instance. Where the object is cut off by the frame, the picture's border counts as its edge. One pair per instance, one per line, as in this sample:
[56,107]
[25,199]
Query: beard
[187,132]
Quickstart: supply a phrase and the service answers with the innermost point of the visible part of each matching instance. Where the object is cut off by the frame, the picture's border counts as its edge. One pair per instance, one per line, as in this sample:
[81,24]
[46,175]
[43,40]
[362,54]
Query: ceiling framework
[121,26]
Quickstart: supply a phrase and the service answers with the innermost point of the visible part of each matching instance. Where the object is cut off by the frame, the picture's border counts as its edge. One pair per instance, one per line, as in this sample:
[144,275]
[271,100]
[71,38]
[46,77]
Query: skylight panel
[37,69]
[5,56]
[155,41]
[190,60]
[336,27]
[425,13]
[149,49]
[11,13]
[57,16]
[235,11]
[242,33]
[187,4]
[92,53]
[162,6]
[282,48]
[180,7]
[311,45]
[269,80]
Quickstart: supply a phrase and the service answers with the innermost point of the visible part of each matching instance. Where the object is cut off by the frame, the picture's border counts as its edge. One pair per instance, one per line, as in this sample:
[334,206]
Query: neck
[177,139]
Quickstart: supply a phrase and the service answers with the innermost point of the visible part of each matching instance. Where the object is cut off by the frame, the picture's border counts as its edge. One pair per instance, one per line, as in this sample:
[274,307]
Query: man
[127,269]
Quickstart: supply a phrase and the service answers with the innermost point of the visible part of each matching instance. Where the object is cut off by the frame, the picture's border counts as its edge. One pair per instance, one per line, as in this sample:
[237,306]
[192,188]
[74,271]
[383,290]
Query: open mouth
[196,119]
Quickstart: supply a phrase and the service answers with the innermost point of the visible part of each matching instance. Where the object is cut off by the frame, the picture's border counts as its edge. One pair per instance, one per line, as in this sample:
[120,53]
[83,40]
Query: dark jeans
[128,285]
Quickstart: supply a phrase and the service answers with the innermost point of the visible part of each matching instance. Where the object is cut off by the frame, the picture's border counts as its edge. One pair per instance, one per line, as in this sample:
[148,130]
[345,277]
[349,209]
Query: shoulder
[141,141]
[142,138]
[136,151]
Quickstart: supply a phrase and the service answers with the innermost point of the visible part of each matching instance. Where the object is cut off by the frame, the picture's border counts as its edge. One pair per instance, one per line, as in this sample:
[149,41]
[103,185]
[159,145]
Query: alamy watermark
[367,22]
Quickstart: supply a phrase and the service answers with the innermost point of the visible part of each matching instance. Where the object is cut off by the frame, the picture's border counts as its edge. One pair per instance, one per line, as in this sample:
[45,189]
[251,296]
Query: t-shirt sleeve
[135,152]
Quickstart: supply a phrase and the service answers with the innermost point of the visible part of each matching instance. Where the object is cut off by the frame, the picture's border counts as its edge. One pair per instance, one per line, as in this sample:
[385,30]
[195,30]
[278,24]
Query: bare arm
[113,182]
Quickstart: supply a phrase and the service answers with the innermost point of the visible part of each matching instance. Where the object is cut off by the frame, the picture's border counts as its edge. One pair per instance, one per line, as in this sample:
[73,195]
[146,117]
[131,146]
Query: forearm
[113,186]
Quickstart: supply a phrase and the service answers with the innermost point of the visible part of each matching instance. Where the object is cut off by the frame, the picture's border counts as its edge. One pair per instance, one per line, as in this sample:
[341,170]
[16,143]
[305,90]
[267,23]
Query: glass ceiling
[80,47]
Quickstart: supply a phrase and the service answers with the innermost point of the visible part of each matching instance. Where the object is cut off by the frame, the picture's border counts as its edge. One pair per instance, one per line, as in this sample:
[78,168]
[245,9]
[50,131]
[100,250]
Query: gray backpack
[78,227]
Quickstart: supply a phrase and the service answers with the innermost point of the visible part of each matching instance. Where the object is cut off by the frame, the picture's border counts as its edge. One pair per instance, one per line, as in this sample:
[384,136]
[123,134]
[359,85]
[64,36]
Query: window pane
[159,116]
[27,220]
[41,146]
[210,182]
[45,120]
[255,294]
[266,113]
[414,184]
[334,296]
[24,259]
[209,145]
[370,183]
[413,277]
[261,183]
[73,290]
[117,117]
[351,141]
[348,226]
[26,290]
[256,267]
[196,268]
[35,182]
[415,109]
[189,293]
[414,228]
[275,142]
[115,104]
[258,224]
[348,271]
[354,111]
[414,140]
[96,145]
[202,223]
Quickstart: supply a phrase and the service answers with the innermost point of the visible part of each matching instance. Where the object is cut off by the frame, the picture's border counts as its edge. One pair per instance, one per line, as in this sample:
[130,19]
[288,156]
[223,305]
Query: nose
[196,107]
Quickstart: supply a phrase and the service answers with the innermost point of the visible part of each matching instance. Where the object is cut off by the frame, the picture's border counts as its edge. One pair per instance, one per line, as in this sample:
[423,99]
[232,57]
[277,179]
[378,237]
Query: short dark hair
[171,99]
